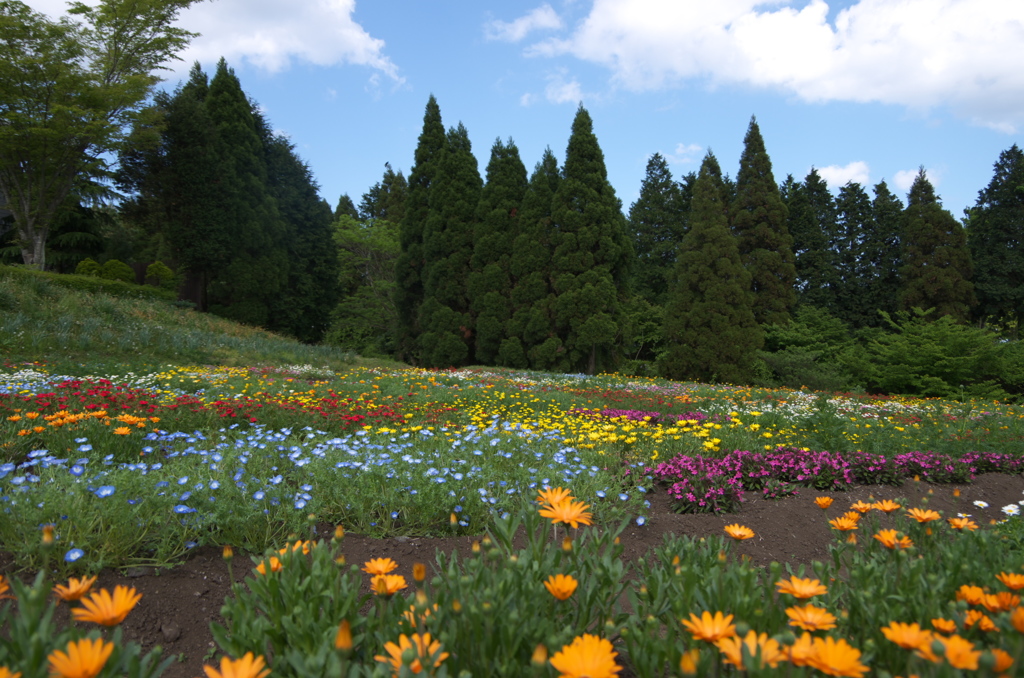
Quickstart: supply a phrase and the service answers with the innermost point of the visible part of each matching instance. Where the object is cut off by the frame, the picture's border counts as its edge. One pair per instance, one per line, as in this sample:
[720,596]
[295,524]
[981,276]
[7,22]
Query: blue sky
[864,90]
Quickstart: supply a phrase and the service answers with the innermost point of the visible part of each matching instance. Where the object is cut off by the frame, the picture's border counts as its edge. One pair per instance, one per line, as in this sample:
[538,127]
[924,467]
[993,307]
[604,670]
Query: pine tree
[346,206]
[812,218]
[709,325]
[854,223]
[446,338]
[759,219]
[531,333]
[410,264]
[995,237]
[385,199]
[936,262]
[883,248]
[593,256]
[490,284]
[656,222]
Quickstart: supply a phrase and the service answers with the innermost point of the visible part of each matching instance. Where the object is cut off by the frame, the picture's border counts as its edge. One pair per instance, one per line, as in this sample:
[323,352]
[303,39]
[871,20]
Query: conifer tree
[410,263]
[385,199]
[656,222]
[883,247]
[709,325]
[531,334]
[854,223]
[490,285]
[446,329]
[759,219]
[346,206]
[593,256]
[936,261]
[995,237]
[812,217]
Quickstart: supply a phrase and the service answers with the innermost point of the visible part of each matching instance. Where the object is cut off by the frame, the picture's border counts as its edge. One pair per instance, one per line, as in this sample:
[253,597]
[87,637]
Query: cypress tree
[346,206]
[709,325]
[410,263]
[531,334]
[593,256]
[656,223]
[854,223]
[385,199]
[995,237]
[446,336]
[490,283]
[812,220]
[936,262]
[759,219]
[882,252]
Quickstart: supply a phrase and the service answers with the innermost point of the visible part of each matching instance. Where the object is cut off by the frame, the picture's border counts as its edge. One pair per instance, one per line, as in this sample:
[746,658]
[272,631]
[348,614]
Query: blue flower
[601,494]
[181,508]
[300,503]
[190,544]
[73,555]
[105,490]
[259,495]
[85,448]
[641,521]
[623,496]
[76,470]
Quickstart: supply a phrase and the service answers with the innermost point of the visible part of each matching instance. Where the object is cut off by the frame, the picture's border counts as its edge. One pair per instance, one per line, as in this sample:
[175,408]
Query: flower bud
[419,572]
[228,552]
[540,656]
[343,640]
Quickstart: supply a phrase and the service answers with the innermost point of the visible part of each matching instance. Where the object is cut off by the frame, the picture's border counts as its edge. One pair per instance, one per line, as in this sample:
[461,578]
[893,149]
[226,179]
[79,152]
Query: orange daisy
[909,636]
[823,502]
[887,506]
[561,586]
[962,524]
[972,594]
[553,495]
[121,431]
[843,524]
[811,618]
[84,658]
[1004,601]
[836,658]
[739,532]
[75,589]
[1011,580]
[379,566]
[923,515]
[587,655]
[946,626]
[1017,619]
[102,608]
[573,513]
[275,565]
[387,584]
[862,507]
[764,649]
[801,588]
[710,628]
[979,618]
[889,540]
[246,667]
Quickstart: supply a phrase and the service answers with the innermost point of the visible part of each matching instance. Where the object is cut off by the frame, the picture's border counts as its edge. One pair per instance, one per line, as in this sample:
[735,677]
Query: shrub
[117,270]
[87,267]
[159,275]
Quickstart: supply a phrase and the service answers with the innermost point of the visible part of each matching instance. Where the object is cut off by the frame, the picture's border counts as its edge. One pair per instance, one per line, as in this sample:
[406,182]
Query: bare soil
[178,604]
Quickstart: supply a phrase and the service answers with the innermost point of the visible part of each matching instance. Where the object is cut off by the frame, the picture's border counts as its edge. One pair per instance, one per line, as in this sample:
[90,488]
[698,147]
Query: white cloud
[684,153]
[526,99]
[904,179]
[965,54]
[540,18]
[562,91]
[271,34]
[840,175]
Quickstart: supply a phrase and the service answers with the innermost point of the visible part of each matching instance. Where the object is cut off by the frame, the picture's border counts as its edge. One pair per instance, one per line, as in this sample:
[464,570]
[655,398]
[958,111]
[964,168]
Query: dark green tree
[656,224]
[446,329]
[409,266]
[854,273]
[759,220]
[883,248]
[812,220]
[386,198]
[936,262]
[346,206]
[593,256]
[531,331]
[709,326]
[490,283]
[995,236]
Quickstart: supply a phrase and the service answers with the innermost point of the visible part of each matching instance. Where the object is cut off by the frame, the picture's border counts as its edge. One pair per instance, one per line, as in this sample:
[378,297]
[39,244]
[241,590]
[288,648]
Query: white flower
[1011,510]
[981,504]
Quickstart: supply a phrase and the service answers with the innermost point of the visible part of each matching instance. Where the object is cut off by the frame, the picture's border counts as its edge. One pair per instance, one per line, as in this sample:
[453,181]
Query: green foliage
[812,224]
[87,267]
[346,207]
[88,283]
[709,327]
[759,219]
[159,275]
[113,269]
[883,255]
[386,198]
[657,223]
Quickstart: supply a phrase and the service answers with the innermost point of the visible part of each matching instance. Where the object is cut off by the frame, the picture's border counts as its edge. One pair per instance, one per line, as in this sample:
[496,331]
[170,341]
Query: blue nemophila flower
[300,503]
[162,483]
[214,484]
[105,490]
[623,496]
[601,494]
[181,508]
[394,515]
[641,521]
[81,440]
[190,544]
[276,480]
[85,448]
[73,555]
[259,495]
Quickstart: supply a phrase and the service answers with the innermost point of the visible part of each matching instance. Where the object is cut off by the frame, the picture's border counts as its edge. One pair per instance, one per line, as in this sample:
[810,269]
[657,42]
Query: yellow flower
[561,586]
[801,588]
[121,431]
[387,584]
[739,532]
[569,512]
[379,566]
[425,648]
[923,516]
[836,658]
[908,636]
[811,618]
[886,506]
[710,628]
[275,565]
[843,524]
[761,647]
[343,639]
[823,502]
[246,667]
[83,659]
[75,589]
[889,540]
[102,608]
[1011,580]
[962,524]
[587,656]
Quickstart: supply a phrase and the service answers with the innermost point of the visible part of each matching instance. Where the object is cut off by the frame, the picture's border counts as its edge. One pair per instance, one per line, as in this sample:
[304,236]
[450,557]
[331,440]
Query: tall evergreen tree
[936,262]
[709,325]
[490,283]
[812,218]
[656,222]
[446,337]
[995,237]
[593,256]
[346,206]
[410,264]
[759,219]
[386,198]
[531,334]
[854,223]
[883,252]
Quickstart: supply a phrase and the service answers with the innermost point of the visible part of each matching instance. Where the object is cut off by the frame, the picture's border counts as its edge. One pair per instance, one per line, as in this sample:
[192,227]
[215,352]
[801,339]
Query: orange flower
[121,431]
[387,584]
[31,415]
[298,545]
[427,650]
[889,540]
[980,618]
[102,608]
[811,618]
[801,588]
[946,626]
[862,507]
[275,565]
[1003,660]
[764,649]
[823,502]
[246,667]
[419,572]
[799,653]
[909,636]
[1017,619]
[83,659]
[569,512]
[836,658]
[960,652]
[843,524]
[379,566]
[6,673]
[561,586]
[588,656]
[972,594]
[739,532]
[689,661]
[923,516]
[553,495]
[4,588]
[1011,580]
[75,589]
[1003,601]
[710,628]
[962,524]
[343,639]
[886,506]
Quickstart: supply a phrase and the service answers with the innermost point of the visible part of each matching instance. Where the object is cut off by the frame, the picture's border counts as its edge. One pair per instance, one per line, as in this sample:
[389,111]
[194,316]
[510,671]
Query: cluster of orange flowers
[561,507]
[66,418]
[849,521]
